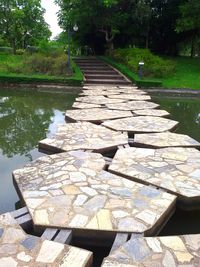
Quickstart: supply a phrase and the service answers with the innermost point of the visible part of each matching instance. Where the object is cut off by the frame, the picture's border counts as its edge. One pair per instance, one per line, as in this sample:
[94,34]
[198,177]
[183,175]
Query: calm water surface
[25,118]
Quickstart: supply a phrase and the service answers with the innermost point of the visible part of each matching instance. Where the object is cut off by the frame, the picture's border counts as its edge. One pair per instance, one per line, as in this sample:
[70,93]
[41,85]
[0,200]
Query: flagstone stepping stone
[132,105]
[130,97]
[85,105]
[85,136]
[141,124]
[71,190]
[96,114]
[167,139]
[116,91]
[100,100]
[166,251]
[151,112]
[20,249]
[175,169]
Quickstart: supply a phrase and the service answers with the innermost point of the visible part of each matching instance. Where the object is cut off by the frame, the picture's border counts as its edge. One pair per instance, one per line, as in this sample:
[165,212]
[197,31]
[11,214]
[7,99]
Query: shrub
[32,49]
[6,50]
[20,52]
[155,66]
[42,64]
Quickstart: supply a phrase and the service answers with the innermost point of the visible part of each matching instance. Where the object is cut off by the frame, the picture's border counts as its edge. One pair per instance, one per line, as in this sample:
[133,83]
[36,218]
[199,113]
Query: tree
[22,22]
[189,22]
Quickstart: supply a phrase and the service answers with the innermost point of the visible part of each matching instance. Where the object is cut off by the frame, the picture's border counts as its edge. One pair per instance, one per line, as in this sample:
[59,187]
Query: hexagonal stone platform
[116,91]
[85,105]
[132,105]
[177,170]
[71,190]
[130,97]
[167,139]
[19,249]
[141,124]
[83,136]
[166,251]
[96,114]
[151,112]
[100,100]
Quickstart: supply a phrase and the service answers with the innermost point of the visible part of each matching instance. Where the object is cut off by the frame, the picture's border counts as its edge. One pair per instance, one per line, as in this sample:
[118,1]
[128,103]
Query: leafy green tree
[189,22]
[22,22]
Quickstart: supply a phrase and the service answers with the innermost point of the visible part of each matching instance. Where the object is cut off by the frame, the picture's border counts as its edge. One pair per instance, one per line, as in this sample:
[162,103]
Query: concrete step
[108,81]
[93,65]
[97,68]
[102,76]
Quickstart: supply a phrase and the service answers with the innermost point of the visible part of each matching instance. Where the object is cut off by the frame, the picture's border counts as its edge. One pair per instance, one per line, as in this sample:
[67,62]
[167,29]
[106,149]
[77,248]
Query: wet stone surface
[174,169]
[96,114]
[116,91]
[71,190]
[19,249]
[133,105]
[168,251]
[167,139]
[83,136]
[141,124]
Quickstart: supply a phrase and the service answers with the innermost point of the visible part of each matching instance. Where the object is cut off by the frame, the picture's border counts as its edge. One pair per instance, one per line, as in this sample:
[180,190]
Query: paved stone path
[72,190]
[176,170]
[141,124]
[167,139]
[137,193]
[19,249]
[167,251]
[132,105]
[96,114]
[83,136]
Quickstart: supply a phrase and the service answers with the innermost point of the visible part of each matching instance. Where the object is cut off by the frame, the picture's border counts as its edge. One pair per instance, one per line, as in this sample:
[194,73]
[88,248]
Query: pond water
[184,109]
[26,117]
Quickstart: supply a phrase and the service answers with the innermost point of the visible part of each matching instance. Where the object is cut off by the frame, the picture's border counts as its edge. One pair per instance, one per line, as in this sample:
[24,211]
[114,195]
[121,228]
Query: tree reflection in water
[25,118]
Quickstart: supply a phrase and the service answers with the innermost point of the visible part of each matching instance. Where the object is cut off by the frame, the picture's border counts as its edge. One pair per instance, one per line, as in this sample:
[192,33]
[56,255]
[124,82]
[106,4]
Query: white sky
[51,16]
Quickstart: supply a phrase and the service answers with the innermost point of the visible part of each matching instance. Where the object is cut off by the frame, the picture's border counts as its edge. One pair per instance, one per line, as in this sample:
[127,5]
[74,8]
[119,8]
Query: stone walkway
[135,192]
[72,190]
[167,251]
[19,249]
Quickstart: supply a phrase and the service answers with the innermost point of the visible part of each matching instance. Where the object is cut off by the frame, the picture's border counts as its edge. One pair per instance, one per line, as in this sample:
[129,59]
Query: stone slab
[133,105]
[177,170]
[151,112]
[167,139]
[166,251]
[83,136]
[141,124]
[116,91]
[72,190]
[20,249]
[80,105]
[96,114]
[99,100]
[135,97]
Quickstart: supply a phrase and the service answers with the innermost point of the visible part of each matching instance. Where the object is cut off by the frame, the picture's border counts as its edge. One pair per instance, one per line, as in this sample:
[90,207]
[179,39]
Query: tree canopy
[22,22]
[158,24]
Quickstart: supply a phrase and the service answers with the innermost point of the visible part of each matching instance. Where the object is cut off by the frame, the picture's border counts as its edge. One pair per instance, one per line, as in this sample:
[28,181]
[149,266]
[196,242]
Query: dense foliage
[164,26]
[22,23]
[154,66]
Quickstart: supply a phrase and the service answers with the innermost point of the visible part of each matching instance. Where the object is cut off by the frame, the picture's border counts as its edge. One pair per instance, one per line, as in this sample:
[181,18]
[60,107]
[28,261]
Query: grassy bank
[8,62]
[186,75]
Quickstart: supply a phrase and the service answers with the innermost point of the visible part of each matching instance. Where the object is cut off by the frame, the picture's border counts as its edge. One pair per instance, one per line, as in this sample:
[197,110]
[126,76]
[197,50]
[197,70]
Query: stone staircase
[97,72]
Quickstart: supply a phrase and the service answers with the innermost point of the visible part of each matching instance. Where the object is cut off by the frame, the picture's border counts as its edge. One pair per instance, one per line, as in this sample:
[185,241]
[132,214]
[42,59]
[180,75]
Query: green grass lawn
[187,74]
[7,76]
